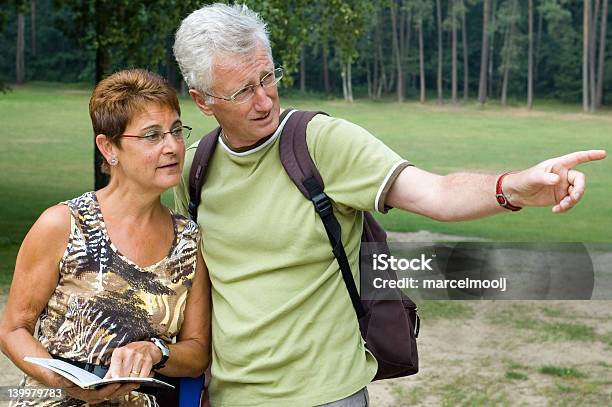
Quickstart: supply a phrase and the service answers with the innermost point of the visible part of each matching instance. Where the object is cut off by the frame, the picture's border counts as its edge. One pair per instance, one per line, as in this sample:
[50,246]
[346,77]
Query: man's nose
[261,98]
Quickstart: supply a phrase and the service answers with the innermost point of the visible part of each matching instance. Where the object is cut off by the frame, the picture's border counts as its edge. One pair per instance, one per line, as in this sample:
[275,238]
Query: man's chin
[271,126]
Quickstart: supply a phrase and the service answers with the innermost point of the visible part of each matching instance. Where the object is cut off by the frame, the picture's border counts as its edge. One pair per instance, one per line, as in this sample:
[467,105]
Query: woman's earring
[114,161]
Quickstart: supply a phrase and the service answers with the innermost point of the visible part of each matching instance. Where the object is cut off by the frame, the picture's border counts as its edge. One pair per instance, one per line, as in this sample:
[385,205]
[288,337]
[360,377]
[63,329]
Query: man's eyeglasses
[155,137]
[245,94]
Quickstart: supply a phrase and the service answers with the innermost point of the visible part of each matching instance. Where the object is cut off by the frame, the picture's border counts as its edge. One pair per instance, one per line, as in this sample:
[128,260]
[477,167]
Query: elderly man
[284,331]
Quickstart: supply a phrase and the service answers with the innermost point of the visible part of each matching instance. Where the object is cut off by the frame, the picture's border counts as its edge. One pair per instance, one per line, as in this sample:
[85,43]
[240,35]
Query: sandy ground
[494,353]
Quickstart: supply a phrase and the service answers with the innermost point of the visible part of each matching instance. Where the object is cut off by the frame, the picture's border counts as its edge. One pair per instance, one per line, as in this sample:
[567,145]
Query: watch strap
[165,351]
[502,199]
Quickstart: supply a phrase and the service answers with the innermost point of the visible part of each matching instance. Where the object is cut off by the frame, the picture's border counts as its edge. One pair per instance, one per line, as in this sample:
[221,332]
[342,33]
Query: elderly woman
[115,279]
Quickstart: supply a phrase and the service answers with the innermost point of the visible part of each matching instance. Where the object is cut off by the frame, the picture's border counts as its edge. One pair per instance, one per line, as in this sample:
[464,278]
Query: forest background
[409,49]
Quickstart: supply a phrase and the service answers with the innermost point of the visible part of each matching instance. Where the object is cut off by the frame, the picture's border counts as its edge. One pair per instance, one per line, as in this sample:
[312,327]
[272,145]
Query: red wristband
[502,199]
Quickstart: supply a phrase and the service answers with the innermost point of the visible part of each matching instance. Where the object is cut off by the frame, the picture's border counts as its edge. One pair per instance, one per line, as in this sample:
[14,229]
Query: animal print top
[104,301]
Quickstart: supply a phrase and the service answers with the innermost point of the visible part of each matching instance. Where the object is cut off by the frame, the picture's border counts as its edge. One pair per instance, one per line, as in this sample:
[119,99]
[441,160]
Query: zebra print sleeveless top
[104,301]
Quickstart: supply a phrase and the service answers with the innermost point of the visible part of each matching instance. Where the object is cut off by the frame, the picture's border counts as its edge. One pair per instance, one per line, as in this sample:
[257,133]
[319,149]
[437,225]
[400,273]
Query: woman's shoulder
[53,225]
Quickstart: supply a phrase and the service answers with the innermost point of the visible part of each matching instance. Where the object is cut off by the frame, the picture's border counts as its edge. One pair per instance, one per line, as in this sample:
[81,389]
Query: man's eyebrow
[262,73]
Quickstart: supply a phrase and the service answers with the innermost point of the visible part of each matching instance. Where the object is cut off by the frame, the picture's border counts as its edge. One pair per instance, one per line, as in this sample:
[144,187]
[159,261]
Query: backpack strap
[199,165]
[298,164]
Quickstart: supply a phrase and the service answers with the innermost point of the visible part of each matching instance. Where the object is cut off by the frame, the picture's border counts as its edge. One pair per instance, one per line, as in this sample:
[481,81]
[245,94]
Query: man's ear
[108,149]
[200,101]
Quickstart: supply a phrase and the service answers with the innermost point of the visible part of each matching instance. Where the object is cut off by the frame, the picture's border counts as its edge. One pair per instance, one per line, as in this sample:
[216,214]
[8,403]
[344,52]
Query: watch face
[501,200]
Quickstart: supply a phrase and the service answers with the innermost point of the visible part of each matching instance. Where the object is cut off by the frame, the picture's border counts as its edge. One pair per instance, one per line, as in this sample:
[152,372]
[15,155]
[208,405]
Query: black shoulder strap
[199,166]
[298,164]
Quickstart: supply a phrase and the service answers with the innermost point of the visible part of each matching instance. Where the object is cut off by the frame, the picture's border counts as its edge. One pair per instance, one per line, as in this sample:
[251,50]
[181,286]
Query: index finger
[580,157]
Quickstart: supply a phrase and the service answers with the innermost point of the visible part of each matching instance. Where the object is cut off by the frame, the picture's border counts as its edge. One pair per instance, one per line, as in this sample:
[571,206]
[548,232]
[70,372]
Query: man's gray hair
[216,30]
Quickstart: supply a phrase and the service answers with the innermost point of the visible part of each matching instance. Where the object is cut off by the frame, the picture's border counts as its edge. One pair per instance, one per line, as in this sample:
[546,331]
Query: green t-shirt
[284,331]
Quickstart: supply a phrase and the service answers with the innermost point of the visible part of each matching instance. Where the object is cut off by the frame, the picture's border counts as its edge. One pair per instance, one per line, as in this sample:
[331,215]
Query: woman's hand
[134,360]
[104,393]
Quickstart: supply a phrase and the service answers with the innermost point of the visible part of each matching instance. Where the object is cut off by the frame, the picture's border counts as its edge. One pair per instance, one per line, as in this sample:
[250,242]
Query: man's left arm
[465,196]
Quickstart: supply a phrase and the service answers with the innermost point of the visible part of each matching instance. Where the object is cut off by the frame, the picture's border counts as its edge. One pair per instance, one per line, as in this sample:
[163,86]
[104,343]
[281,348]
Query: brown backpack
[390,325]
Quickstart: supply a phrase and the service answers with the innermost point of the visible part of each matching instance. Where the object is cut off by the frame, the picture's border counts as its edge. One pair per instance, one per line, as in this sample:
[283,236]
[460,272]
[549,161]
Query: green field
[47,156]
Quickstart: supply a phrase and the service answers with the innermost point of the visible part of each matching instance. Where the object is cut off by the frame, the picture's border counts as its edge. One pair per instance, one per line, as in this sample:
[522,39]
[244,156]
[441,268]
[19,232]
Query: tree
[530,56]
[33,26]
[492,31]
[466,74]
[509,51]
[559,53]
[303,69]
[421,62]
[421,11]
[440,55]
[19,58]
[289,22]
[484,57]
[123,33]
[347,22]
[22,8]
[453,21]
[396,51]
[585,53]
[602,55]
[4,6]
[592,48]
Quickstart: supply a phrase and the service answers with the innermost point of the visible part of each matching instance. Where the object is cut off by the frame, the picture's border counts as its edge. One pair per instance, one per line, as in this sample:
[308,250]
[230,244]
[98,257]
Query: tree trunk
[326,68]
[484,57]
[592,48]
[530,57]
[19,57]
[383,76]
[33,26]
[509,44]
[349,82]
[602,55]
[466,76]
[303,69]
[406,48]
[369,80]
[421,62]
[344,88]
[396,52]
[537,45]
[585,54]
[375,75]
[491,61]
[439,23]
[453,13]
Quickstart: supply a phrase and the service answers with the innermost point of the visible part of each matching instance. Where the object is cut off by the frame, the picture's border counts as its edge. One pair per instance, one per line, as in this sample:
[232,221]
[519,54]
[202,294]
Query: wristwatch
[502,199]
[164,350]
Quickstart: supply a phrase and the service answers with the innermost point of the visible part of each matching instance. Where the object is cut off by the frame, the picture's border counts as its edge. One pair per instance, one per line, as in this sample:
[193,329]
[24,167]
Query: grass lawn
[46,147]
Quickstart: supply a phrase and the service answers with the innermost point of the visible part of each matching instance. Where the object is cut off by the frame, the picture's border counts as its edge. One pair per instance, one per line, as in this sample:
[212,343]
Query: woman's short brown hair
[119,97]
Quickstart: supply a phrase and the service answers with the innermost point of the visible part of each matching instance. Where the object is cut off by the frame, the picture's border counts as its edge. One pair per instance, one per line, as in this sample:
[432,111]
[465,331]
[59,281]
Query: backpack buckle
[322,204]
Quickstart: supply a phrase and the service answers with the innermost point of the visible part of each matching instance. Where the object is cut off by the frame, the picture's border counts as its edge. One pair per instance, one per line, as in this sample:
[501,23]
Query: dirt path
[483,353]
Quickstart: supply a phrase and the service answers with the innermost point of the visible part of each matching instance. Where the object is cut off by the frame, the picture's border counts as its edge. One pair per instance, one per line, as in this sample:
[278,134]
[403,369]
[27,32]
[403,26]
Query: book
[86,380]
